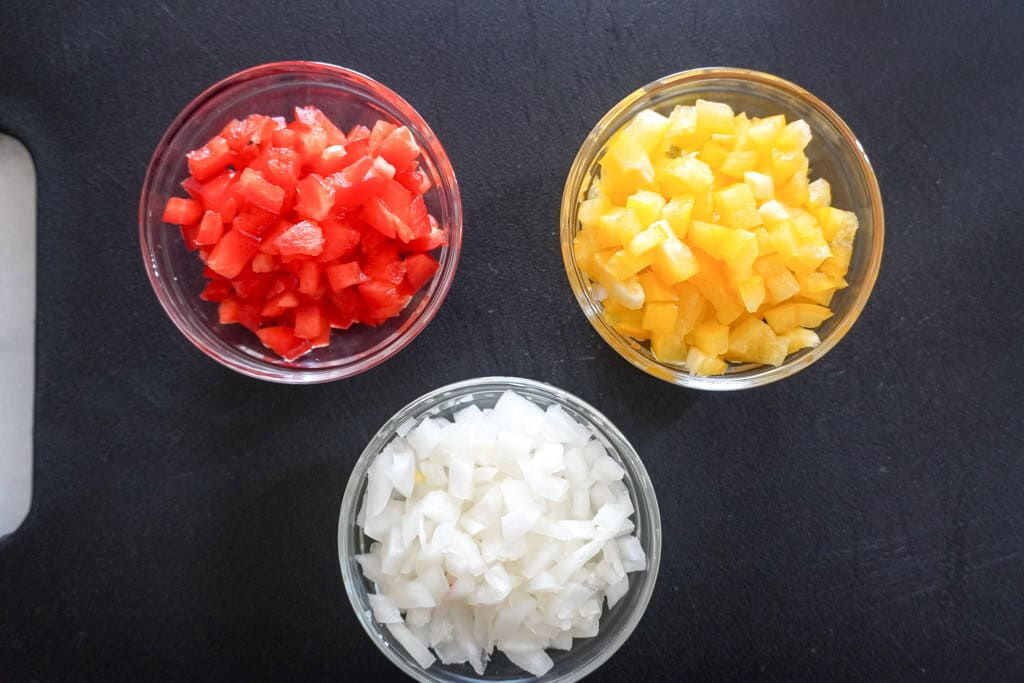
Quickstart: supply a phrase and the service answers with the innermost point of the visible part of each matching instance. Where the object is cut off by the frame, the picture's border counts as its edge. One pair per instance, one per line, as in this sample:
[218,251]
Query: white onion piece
[413,645]
[535,660]
[384,609]
[505,528]
[402,471]
[460,478]
[616,590]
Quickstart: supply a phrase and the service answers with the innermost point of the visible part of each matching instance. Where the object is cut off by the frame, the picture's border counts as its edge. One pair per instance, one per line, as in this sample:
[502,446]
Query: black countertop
[862,520]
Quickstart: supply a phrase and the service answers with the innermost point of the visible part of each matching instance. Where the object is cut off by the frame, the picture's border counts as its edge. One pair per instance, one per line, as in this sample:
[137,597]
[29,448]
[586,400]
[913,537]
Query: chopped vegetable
[304,229]
[702,226]
[505,528]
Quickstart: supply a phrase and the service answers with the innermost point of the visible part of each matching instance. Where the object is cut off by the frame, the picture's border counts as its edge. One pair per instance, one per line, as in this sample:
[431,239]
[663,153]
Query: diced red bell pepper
[280,166]
[310,141]
[345,307]
[276,306]
[277,228]
[385,265]
[189,234]
[232,252]
[382,298]
[216,291]
[359,183]
[434,239]
[399,148]
[308,320]
[282,341]
[231,310]
[359,132]
[216,191]
[283,137]
[210,228]
[396,213]
[312,116]
[340,239]
[304,237]
[182,211]
[252,286]
[419,269]
[311,279]
[315,197]
[263,263]
[210,159]
[356,149]
[311,231]
[253,187]
[333,159]
[381,130]
[252,130]
[414,180]
[255,221]
[324,338]
[342,275]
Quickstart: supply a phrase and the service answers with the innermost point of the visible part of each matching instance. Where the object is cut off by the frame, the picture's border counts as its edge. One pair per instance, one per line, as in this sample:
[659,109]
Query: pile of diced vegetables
[703,234]
[504,528]
[304,228]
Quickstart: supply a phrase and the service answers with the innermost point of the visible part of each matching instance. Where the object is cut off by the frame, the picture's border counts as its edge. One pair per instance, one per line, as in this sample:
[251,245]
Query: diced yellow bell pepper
[710,237]
[761,185]
[644,131]
[648,239]
[715,117]
[833,219]
[591,211]
[617,228]
[655,290]
[646,205]
[800,338]
[714,153]
[668,347]
[795,136]
[660,316]
[785,163]
[673,261]
[711,337]
[683,133]
[739,162]
[764,132]
[683,175]
[752,292]
[819,194]
[678,212]
[701,363]
[786,316]
[703,225]
[692,305]
[624,264]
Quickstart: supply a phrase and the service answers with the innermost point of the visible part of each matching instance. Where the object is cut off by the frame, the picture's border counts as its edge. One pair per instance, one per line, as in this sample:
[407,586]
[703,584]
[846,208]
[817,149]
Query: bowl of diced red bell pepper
[300,222]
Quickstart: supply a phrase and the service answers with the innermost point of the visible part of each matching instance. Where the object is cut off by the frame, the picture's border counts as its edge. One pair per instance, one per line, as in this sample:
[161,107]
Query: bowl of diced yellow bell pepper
[722,228]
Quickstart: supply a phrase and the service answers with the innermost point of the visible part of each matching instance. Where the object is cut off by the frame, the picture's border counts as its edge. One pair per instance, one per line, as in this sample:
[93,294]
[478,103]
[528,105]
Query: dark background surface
[862,520]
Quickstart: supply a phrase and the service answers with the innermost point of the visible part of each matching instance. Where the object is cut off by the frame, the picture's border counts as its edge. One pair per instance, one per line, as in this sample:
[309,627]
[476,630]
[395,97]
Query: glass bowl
[616,624]
[348,98]
[834,154]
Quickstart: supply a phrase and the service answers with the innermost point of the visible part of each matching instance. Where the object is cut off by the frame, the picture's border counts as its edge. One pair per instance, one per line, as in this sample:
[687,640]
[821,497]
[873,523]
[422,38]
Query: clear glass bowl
[348,98]
[834,154]
[616,624]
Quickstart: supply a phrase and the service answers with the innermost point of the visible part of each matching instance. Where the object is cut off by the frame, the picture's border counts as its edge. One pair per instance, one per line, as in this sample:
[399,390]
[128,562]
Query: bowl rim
[285,372]
[646,505]
[754,375]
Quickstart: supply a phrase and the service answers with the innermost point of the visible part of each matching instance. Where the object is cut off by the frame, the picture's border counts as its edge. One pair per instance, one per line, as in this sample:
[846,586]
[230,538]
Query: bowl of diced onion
[499,529]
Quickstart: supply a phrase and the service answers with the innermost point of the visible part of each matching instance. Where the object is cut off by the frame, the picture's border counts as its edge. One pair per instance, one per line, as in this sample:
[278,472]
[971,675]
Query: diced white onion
[505,528]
